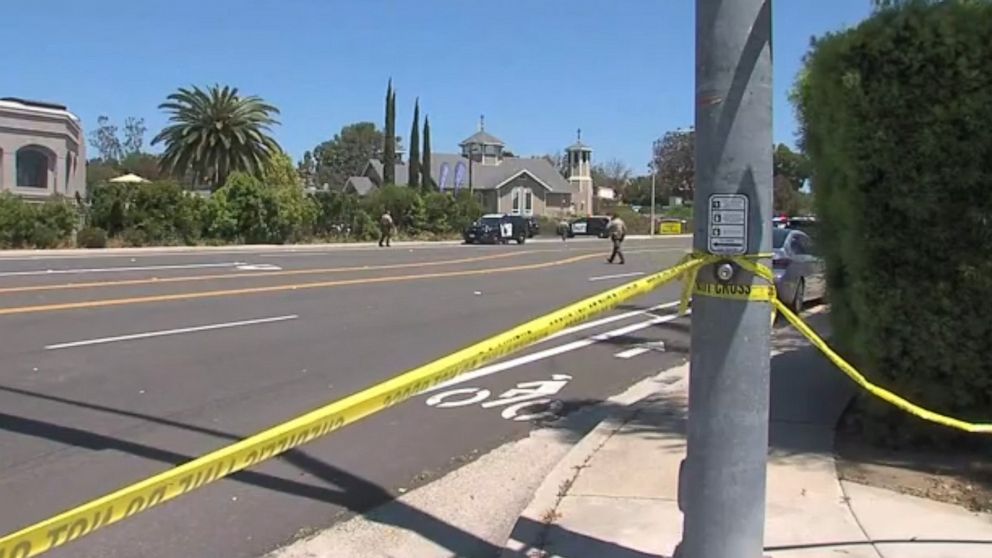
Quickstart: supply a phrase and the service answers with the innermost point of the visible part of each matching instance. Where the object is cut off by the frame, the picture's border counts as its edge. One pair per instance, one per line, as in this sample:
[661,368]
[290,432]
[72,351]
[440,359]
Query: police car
[497,229]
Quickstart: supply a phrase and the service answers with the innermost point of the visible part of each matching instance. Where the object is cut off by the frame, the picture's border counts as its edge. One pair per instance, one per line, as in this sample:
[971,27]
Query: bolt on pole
[722,480]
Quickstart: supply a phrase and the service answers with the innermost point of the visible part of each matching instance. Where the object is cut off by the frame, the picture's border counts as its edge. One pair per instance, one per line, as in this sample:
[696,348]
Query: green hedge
[246,210]
[38,225]
[897,119]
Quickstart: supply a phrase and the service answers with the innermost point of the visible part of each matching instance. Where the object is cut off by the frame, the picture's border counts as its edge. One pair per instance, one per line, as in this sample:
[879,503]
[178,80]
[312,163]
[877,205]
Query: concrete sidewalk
[615,494]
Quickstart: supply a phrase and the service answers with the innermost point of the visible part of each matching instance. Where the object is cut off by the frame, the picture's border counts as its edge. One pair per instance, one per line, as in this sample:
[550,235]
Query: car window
[778,238]
[491,221]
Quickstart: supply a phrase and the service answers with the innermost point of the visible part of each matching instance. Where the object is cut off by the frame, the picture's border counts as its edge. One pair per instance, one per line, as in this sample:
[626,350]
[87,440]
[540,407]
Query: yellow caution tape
[143,495]
[877,391]
[767,293]
[146,494]
[754,293]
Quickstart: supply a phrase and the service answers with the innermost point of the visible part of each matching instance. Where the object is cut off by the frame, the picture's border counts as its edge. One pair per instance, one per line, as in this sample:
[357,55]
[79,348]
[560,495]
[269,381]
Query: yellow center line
[279,288]
[253,274]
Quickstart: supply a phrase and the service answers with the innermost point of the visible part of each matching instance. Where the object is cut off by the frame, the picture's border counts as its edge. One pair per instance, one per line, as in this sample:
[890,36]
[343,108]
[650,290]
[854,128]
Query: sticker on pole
[727,234]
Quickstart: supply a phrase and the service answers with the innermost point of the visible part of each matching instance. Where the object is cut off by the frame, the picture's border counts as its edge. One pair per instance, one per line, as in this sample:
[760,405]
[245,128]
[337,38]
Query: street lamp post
[654,175]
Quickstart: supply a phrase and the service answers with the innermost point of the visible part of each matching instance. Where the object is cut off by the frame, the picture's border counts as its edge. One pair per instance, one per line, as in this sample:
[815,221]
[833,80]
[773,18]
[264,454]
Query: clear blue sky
[622,70]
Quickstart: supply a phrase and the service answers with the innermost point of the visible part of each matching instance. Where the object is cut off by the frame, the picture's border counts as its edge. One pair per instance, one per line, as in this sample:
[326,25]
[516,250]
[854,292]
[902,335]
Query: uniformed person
[617,230]
[386,227]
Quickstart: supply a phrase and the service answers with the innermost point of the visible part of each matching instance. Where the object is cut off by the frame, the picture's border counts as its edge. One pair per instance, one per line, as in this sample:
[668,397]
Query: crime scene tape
[96,514]
[766,293]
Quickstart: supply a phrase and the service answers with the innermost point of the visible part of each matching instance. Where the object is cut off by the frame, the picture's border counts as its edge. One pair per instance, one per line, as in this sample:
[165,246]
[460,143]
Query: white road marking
[114,269]
[641,349]
[607,320]
[162,333]
[259,267]
[631,353]
[554,351]
[617,276]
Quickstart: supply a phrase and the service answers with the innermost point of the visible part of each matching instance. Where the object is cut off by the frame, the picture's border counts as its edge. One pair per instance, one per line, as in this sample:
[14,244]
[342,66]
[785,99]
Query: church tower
[580,175]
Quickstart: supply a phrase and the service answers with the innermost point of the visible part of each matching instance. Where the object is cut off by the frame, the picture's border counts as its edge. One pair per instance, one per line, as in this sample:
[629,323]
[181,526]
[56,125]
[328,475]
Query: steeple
[580,173]
[483,147]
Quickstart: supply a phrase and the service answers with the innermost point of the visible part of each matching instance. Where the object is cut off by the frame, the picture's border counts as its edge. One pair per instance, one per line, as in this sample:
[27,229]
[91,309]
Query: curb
[547,497]
[249,248]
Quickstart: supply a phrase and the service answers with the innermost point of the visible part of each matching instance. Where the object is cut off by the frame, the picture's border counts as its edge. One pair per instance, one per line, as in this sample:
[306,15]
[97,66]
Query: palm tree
[215,132]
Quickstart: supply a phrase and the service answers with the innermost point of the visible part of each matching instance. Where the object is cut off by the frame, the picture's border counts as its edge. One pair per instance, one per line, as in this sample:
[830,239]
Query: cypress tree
[414,162]
[425,167]
[389,137]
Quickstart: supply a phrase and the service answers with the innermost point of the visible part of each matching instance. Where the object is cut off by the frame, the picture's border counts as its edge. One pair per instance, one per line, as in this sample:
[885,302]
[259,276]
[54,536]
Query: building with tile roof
[502,184]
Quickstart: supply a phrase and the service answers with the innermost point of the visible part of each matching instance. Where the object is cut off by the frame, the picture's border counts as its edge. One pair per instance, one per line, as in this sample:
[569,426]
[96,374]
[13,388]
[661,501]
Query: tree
[675,163]
[785,198]
[557,160]
[280,172]
[134,134]
[307,169]
[389,141]
[425,168]
[613,174]
[104,140]
[795,167]
[99,171]
[215,132]
[347,153]
[145,165]
[414,164]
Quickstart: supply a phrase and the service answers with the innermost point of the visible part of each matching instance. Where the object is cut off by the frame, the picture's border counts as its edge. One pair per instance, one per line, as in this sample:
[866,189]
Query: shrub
[895,116]
[91,237]
[16,223]
[44,225]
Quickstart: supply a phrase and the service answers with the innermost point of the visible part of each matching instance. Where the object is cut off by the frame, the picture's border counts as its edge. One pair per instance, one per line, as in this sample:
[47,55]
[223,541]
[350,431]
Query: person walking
[617,230]
[386,227]
[563,228]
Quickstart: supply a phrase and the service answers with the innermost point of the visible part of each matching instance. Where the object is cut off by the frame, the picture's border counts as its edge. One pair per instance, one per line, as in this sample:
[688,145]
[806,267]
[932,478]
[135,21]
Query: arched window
[32,167]
[68,171]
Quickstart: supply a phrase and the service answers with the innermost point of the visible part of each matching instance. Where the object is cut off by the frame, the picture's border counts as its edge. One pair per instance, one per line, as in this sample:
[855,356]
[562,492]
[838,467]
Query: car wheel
[521,239]
[799,300]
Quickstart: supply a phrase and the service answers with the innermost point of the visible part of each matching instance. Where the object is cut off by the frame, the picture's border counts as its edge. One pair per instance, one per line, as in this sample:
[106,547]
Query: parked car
[497,229]
[595,225]
[799,273]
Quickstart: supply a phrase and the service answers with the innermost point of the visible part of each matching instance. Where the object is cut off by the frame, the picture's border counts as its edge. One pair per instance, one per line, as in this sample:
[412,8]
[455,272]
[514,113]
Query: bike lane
[382,457]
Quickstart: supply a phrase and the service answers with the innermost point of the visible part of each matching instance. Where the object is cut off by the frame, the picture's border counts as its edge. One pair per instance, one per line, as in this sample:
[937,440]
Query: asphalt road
[117,367]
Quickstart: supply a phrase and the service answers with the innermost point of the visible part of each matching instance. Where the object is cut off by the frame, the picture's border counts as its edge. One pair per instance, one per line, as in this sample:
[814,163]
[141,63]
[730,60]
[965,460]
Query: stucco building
[42,150]
[502,184]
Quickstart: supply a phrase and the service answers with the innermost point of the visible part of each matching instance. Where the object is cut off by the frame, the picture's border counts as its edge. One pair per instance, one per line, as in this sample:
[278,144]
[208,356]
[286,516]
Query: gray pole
[722,482]
[654,172]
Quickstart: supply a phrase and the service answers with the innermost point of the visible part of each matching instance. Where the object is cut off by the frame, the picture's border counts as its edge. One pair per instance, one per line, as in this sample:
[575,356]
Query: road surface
[118,367]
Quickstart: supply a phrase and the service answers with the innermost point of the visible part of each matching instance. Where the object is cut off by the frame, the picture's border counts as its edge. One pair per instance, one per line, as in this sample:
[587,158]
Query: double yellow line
[251,274]
[289,287]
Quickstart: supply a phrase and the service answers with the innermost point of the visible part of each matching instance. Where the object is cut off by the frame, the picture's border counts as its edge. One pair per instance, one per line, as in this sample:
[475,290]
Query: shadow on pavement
[874,543]
[353,492]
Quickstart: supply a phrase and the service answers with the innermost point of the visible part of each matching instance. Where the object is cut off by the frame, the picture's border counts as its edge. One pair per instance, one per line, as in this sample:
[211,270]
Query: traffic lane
[341,346]
[173,381]
[25,299]
[361,466]
[11,261]
[94,272]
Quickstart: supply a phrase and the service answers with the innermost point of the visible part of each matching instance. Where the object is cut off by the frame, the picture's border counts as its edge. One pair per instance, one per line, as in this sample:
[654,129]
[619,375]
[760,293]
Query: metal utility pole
[654,174]
[722,482]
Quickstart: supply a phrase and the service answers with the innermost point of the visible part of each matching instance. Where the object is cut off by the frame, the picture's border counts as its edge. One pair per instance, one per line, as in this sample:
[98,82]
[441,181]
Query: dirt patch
[956,476]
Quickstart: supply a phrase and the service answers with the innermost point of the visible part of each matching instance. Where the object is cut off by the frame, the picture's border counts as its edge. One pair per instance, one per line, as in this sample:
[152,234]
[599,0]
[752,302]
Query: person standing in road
[617,230]
[386,227]
[563,229]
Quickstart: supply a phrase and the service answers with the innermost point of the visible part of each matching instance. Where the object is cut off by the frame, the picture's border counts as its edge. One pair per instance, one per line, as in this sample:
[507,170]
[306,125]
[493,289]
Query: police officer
[617,230]
[386,227]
